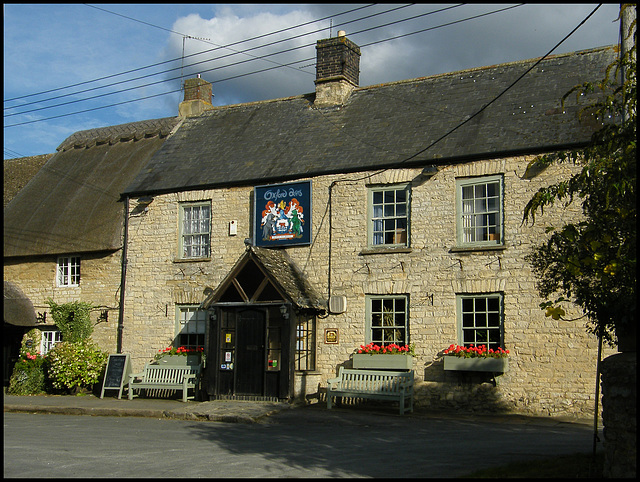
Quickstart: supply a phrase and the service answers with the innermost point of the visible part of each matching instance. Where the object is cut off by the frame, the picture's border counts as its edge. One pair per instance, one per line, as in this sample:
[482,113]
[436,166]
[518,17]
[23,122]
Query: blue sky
[51,46]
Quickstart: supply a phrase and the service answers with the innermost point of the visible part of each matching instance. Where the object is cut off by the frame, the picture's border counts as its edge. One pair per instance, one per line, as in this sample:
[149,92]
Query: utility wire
[179,58]
[189,65]
[237,63]
[482,109]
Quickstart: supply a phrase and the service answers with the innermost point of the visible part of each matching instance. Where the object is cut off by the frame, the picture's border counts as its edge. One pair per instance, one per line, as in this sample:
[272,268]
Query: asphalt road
[340,444]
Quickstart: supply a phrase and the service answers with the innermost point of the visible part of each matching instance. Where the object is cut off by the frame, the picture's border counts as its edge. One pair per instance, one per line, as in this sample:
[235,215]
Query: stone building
[281,235]
[408,201]
[63,231]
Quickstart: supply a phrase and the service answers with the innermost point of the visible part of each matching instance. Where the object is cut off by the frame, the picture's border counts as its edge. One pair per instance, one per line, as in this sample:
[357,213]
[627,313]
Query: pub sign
[282,214]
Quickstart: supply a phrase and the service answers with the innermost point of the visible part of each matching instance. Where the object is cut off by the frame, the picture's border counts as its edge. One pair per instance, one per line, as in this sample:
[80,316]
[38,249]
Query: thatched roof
[18,172]
[73,204]
[18,309]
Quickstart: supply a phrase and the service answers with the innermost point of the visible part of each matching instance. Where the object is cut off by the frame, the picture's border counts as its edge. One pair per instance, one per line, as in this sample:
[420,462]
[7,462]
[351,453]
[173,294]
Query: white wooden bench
[163,377]
[374,384]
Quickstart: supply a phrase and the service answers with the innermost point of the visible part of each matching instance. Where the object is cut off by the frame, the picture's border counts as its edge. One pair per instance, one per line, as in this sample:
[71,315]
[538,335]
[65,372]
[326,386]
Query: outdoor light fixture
[284,312]
[430,170]
[41,318]
[104,316]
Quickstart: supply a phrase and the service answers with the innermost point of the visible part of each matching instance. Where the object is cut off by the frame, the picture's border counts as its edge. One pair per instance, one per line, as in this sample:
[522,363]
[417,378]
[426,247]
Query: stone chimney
[337,70]
[197,97]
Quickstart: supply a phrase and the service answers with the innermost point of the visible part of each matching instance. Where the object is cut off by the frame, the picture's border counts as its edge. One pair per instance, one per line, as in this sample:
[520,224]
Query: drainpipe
[123,274]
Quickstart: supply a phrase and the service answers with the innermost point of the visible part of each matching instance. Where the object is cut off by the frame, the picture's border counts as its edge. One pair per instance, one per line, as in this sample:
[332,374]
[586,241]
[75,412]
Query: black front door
[250,355]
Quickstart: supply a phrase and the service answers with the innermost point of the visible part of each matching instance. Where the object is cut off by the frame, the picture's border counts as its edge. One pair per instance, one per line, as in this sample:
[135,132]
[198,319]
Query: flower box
[494,365]
[179,360]
[382,362]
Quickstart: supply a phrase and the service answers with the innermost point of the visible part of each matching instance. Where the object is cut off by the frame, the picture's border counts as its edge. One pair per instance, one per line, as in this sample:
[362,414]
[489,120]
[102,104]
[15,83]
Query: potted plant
[181,356]
[383,357]
[476,359]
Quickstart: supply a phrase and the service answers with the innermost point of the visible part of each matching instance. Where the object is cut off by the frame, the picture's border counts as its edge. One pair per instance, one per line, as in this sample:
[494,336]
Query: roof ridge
[119,133]
[486,67]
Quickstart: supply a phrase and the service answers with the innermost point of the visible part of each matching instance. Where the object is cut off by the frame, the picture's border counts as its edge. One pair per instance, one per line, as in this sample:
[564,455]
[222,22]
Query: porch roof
[282,271]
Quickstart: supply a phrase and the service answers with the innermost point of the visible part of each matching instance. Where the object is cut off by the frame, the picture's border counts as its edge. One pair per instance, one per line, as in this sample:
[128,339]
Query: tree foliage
[592,262]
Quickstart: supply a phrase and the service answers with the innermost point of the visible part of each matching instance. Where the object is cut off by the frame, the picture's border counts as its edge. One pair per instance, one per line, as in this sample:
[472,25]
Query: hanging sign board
[282,214]
[117,373]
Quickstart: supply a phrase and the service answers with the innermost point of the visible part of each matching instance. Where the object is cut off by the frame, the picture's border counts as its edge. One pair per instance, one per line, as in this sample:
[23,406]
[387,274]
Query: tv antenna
[185,37]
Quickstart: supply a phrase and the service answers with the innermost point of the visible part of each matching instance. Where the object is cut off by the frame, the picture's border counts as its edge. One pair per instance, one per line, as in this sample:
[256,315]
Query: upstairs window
[68,271]
[479,211]
[195,230]
[389,216]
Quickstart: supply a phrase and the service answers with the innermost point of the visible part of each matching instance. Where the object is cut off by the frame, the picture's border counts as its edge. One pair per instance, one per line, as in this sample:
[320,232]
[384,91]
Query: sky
[72,67]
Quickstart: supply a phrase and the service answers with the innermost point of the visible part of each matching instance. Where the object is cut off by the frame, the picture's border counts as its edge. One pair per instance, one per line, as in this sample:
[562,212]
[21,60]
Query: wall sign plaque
[331,336]
[282,214]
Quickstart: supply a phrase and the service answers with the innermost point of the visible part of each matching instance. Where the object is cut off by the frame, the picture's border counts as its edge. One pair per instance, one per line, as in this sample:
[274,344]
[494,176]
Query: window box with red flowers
[476,359]
[180,356]
[378,357]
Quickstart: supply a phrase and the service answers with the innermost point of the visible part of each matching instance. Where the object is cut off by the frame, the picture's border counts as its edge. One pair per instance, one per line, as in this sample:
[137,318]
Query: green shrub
[28,377]
[75,365]
[72,319]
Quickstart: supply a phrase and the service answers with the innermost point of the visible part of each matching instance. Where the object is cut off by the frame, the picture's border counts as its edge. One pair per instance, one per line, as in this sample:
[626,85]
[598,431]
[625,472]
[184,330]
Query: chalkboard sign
[117,373]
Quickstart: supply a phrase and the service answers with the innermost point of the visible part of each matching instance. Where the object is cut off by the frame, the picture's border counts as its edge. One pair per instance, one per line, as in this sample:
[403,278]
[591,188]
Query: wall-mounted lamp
[284,311]
[213,314]
[104,316]
[430,170]
[41,318]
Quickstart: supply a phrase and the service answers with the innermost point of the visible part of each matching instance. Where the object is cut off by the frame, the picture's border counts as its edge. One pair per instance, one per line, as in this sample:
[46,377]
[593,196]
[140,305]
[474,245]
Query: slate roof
[379,126]
[72,204]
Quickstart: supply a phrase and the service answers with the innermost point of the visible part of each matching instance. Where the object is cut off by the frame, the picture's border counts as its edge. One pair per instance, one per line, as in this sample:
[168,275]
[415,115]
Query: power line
[190,65]
[240,62]
[175,59]
[482,109]
[12,153]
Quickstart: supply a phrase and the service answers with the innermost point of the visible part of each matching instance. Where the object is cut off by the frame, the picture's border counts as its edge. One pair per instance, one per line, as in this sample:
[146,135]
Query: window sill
[468,249]
[385,250]
[191,260]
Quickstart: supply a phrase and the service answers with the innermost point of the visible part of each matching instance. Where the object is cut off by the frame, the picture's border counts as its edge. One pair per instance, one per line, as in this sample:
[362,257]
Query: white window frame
[68,271]
[480,217]
[195,238]
[48,340]
[480,322]
[386,216]
[191,322]
[376,307]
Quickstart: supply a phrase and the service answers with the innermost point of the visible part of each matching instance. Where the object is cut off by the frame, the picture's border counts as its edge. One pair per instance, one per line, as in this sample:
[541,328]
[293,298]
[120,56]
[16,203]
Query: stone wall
[99,285]
[619,406]
[552,362]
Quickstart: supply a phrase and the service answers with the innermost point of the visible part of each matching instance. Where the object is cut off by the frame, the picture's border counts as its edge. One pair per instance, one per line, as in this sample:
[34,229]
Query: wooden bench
[374,384]
[163,377]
